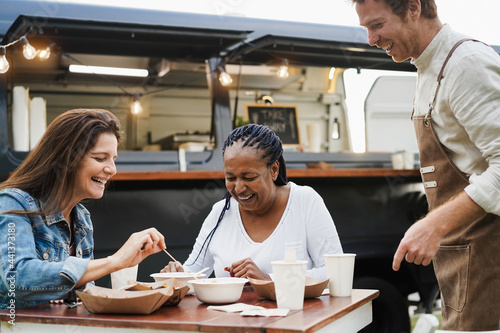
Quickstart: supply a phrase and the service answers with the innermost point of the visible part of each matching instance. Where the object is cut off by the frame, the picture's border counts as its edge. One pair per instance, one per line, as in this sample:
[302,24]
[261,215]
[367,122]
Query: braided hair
[263,138]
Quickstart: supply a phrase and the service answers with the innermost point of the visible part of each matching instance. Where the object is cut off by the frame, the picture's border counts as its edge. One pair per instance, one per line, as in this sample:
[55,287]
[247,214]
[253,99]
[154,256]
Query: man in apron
[457,121]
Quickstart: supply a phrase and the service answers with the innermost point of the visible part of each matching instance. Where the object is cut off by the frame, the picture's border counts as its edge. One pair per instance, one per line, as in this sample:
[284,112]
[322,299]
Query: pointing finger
[398,257]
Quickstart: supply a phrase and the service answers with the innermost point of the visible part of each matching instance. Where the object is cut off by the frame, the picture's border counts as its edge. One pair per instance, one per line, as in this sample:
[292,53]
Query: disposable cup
[313,138]
[122,277]
[409,160]
[398,161]
[340,271]
[289,283]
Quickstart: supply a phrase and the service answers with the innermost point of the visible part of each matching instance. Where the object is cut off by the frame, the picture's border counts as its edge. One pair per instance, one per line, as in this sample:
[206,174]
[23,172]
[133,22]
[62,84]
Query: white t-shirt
[466,117]
[306,225]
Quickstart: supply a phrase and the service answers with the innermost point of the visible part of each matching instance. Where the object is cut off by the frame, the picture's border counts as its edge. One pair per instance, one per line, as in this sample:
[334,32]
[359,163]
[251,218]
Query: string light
[44,54]
[282,71]
[4,64]
[331,74]
[224,78]
[29,51]
[136,107]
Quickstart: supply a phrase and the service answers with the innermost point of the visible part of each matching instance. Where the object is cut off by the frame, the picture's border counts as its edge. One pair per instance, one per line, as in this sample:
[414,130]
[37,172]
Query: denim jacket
[34,254]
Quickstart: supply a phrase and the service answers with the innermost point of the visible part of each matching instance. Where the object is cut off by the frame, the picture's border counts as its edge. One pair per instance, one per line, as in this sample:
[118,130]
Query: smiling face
[96,168]
[397,35]
[249,179]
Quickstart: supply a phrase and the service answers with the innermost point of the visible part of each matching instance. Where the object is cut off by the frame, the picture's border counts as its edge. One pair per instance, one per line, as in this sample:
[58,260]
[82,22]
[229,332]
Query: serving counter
[321,314]
[291,173]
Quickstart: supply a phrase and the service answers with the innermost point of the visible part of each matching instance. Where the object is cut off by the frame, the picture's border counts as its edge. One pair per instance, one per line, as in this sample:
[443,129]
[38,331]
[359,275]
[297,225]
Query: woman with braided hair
[261,215]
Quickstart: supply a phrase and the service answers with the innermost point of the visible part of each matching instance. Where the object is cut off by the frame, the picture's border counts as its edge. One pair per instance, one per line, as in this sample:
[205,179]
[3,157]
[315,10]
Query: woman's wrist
[113,263]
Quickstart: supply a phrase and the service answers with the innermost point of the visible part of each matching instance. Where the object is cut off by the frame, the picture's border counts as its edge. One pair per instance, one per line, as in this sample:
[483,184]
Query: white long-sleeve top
[466,117]
[306,226]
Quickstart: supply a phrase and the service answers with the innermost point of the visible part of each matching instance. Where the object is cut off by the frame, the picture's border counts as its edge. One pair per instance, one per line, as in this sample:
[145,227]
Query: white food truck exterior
[169,167]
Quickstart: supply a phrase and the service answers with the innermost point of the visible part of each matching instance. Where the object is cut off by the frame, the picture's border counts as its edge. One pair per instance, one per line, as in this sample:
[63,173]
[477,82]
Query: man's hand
[421,241]
[419,244]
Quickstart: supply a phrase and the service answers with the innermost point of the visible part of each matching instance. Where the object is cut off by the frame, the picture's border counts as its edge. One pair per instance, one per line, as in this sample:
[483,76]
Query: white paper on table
[236,307]
[266,312]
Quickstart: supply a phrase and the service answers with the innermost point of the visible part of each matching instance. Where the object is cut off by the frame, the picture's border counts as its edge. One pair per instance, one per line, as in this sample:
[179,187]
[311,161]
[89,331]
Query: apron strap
[440,75]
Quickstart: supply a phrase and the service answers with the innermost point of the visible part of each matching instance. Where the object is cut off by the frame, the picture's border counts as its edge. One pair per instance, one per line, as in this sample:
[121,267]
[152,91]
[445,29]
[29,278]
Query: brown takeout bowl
[136,298]
[265,288]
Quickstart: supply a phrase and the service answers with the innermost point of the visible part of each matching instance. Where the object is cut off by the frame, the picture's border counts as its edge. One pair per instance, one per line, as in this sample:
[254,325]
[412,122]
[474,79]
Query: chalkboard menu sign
[281,119]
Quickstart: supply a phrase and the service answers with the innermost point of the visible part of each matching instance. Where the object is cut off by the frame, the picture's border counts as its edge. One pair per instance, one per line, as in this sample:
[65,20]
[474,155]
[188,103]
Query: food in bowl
[218,290]
[184,277]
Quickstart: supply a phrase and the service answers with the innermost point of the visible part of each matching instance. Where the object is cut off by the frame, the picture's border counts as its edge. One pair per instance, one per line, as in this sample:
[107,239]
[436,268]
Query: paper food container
[265,288]
[180,289]
[136,299]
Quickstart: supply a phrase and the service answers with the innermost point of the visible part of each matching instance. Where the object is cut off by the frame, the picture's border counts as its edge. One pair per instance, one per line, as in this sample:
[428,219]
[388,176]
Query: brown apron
[467,264]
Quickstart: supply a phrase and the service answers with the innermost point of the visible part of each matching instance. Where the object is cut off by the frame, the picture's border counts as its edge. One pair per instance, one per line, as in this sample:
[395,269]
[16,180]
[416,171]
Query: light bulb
[335,129]
[4,64]
[29,51]
[136,107]
[282,72]
[44,54]
[224,78]
[331,74]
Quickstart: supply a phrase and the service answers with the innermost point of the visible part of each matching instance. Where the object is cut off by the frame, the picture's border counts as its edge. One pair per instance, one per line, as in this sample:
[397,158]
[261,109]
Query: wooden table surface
[192,315]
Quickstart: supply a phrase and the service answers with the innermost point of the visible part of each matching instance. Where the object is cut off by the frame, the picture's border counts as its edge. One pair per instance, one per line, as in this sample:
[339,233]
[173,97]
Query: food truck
[202,76]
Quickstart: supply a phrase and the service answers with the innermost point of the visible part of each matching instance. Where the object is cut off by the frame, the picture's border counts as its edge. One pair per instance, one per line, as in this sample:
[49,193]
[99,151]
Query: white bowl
[184,277]
[218,290]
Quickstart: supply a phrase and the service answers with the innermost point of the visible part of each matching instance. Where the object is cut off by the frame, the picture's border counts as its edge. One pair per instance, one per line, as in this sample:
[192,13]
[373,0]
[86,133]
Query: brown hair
[401,7]
[49,171]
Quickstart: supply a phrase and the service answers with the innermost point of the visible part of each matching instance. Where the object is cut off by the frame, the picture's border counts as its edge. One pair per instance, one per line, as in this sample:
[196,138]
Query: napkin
[250,310]
[266,312]
[236,307]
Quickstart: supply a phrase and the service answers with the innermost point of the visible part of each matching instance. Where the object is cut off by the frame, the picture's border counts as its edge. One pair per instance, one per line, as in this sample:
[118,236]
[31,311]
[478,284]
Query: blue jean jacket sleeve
[34,254]
[74,268]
